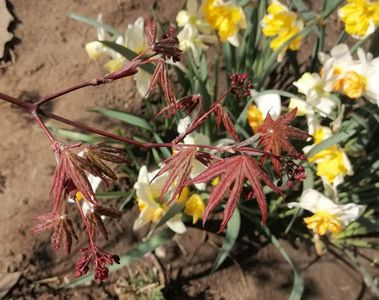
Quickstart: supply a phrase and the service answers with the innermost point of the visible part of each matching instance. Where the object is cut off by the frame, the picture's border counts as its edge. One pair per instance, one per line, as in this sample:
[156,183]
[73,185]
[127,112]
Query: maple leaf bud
[240,85]
[168,45]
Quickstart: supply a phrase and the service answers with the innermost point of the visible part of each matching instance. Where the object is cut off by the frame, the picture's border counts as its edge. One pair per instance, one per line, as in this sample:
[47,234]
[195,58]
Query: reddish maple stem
[44,128]
[85,220]
[27,106]
[196,123]
[65,91]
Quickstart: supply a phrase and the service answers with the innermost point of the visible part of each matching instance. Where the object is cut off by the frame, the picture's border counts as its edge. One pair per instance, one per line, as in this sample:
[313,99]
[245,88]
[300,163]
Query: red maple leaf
[274,135]
[233,171]
[222,116]
[179,167]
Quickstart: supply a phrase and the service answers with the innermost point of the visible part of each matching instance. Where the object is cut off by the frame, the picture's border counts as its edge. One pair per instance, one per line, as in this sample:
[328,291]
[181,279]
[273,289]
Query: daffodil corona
[360,17]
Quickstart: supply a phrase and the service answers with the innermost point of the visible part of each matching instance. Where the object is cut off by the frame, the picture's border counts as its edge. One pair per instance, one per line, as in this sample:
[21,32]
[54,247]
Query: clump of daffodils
[282,25]
[328,217]
[361,17]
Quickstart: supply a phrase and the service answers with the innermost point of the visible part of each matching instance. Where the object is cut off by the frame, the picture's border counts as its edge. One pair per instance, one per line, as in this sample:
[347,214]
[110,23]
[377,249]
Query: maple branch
[44,128]
[27,106]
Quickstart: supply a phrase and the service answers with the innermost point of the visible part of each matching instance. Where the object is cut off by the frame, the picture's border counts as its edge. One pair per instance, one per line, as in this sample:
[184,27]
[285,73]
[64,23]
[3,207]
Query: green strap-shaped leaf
[94,23]
[152,243]
[125,117]
[231,235]
[128,54]
[298,282]
[333,140]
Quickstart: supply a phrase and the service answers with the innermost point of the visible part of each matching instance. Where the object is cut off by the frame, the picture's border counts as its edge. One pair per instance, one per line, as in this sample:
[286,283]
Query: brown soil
[49,55]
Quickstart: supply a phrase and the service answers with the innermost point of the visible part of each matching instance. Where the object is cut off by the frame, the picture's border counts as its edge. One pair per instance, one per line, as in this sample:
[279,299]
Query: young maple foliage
[233,171]
[179,167]
[274,135]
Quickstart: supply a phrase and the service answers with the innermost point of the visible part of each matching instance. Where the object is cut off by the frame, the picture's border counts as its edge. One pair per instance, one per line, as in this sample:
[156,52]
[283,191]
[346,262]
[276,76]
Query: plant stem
[44,128]
[65,91]
[27,106]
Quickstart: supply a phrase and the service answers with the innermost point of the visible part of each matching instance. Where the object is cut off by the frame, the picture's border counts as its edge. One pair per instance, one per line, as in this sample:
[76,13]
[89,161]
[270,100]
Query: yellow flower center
[323,222]
[151,214]
[254,117]
[354,84]
[225,18]
[330,161]
[78,196]
[359,17]
[283,24]
[194,207]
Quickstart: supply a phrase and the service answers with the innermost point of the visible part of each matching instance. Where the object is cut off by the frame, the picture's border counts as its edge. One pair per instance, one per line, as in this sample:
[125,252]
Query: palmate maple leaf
[233,171]
[274,135]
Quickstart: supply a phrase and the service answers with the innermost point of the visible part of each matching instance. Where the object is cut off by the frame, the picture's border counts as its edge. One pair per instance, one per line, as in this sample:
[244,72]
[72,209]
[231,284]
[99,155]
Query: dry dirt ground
[49,55]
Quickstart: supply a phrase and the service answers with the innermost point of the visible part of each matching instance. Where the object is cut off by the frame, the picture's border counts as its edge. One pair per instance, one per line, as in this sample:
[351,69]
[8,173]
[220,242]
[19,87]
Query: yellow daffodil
[134,40]
[328,217]
[226,18]
[283,25]
[266,103]
[360,17]
[332,163]
[194,207]
[354,78]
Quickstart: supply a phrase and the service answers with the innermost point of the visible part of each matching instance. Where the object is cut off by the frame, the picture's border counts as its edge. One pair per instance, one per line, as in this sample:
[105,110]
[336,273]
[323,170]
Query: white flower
[266,103]
[134,40]
[195,33]
[194,139]
[95,183]
[151,210]
[328,216]
[354,78]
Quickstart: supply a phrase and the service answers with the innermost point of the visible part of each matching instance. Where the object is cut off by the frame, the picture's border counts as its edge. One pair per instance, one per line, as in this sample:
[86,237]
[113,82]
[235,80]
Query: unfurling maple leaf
[222,116]
[160,76]
[179,167]
[63,229]
[274,135]
[233,171]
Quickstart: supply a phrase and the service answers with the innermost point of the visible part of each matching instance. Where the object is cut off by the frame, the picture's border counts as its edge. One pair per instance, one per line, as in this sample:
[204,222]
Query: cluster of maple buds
[233,164]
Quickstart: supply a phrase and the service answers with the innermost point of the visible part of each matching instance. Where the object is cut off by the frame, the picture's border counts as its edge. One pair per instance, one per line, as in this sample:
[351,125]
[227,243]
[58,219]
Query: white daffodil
[134,40]
[316,89]
[354,78]
[95,183]
[264,104]
[151,210]
[191,39]
[192,16]
[332,163]
[194,139]
[95,49]
[328,216]
[196,32]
